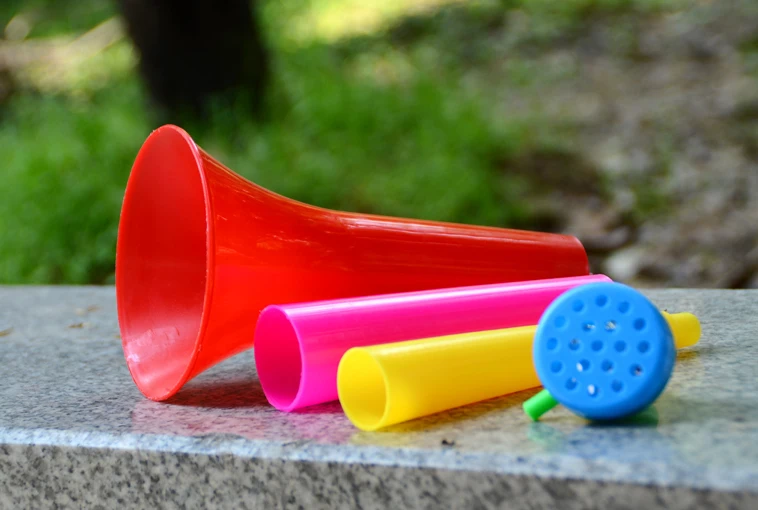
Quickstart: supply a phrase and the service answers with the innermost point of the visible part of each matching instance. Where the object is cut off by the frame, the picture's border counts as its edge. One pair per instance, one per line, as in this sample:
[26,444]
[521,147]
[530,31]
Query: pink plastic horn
[298,347]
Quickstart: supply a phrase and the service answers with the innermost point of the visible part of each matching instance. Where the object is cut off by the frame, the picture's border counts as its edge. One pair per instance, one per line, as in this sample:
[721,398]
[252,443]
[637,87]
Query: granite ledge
[74,431]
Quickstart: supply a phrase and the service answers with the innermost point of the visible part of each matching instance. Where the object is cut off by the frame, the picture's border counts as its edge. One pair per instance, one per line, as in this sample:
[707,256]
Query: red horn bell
[201,251]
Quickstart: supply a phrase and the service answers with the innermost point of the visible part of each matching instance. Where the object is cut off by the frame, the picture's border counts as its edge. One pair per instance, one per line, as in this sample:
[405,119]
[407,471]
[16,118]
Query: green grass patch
[65,164]
[58,17]
[387,123]
[337,137]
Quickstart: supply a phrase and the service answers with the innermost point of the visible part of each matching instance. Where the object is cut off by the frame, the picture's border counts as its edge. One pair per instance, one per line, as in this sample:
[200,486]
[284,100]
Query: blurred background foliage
[608,119]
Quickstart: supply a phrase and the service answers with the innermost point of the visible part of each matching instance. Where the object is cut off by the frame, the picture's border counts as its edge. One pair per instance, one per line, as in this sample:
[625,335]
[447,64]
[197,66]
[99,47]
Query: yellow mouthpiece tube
[685,327]
[383,385]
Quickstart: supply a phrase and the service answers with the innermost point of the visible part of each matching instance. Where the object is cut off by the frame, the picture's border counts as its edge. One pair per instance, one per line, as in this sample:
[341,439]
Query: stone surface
[75,432]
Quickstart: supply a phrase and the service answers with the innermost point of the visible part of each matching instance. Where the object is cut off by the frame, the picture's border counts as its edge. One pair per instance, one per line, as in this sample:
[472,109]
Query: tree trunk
[194,52]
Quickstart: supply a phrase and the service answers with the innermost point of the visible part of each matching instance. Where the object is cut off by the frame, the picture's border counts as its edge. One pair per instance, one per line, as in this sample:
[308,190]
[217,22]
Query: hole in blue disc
[617,386]
[607,366]
[610,326]
[643,347]
[623,307]
[601,300]
[578,306]
[588,326]
[556,366]
[560,321]
[597,345]
[593,390]
[620,346]
[574,344]
[571,383]
[552,344]
[636,370]
[582,366]
[639,324]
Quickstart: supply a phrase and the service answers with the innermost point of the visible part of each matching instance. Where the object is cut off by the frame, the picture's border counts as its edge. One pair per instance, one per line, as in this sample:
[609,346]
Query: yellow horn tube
[383,385]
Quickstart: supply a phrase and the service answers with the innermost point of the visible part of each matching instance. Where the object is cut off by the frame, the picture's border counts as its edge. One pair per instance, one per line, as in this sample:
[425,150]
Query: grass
[374,113]
[65,167]
[57,17]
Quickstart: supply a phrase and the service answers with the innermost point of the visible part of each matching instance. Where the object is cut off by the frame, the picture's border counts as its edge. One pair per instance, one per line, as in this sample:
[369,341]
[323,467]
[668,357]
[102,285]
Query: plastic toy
[605,352]
[298,347]
[387,384]
[201,251]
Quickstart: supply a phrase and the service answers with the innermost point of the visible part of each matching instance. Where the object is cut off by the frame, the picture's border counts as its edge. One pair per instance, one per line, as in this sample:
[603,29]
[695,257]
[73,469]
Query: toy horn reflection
[201,251]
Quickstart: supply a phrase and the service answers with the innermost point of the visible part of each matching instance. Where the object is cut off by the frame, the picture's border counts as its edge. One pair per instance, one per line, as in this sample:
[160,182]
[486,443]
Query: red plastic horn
[201,251]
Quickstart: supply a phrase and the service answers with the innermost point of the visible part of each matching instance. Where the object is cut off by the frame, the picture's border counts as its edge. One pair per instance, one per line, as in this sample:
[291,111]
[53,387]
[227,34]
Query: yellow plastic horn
[685,327]
[387,384]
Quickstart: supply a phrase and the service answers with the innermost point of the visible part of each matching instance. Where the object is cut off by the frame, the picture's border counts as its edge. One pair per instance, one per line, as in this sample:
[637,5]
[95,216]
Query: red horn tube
[201,251]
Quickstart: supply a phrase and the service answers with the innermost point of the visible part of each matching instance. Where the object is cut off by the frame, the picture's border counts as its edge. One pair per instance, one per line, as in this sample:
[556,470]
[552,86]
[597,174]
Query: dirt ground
[662,185]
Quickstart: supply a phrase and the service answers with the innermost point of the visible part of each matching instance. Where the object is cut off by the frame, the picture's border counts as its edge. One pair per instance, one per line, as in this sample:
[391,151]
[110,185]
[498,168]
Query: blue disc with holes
[604,351]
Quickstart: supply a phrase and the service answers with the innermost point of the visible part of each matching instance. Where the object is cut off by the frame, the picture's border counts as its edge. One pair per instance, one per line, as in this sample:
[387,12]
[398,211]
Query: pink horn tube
[298,347]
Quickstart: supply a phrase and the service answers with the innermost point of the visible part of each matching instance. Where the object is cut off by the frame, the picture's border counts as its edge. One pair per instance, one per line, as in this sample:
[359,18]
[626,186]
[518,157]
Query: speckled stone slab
[76,433]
